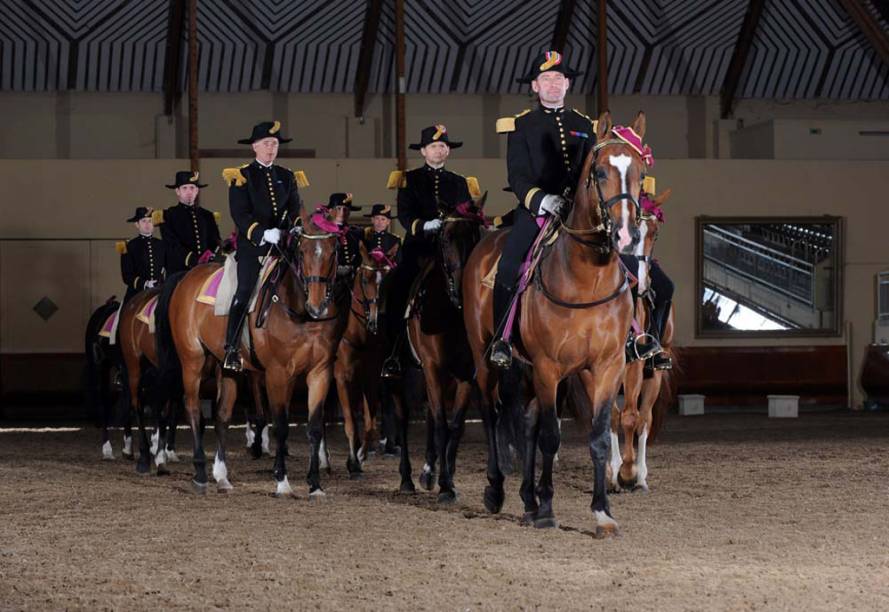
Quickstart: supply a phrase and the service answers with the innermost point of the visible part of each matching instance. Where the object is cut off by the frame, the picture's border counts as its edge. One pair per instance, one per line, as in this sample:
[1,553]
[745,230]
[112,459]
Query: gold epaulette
[234,175]
[507,124]
[157,217]
[593,121]
[497,221]
[397,180]
[302,181]
[649,185]
[217,216]
[474,190]
[121,247]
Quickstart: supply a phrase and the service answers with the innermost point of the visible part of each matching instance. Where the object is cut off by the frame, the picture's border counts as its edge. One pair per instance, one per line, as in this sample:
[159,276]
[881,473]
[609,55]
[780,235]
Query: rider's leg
[396,302]
[248,273]
[641,346]
[663,299]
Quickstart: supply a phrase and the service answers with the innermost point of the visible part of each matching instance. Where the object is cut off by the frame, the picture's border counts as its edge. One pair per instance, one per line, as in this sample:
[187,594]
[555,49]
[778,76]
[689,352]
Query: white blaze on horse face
[639,252]
[318,251]
[622,163]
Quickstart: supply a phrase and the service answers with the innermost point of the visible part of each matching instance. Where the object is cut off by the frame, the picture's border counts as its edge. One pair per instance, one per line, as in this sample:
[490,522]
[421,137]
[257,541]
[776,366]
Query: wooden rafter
[563,24]
[865,21]
[366,55]
[173,58]
[739,57]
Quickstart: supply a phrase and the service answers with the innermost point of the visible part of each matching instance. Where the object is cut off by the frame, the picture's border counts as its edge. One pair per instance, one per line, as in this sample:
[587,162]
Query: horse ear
[662,199]
[480,203]
[603,126]
[639,125]
[306,218]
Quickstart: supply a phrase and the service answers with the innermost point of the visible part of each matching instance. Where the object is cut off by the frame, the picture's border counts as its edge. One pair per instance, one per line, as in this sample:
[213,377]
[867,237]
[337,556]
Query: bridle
[296,267]
[365,302]
[605,227]
[449,270]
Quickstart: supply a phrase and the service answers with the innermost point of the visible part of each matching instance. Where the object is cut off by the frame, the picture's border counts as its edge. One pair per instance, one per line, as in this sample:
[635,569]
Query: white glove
[271,236]
[150,284]
[552,204]
[432,226]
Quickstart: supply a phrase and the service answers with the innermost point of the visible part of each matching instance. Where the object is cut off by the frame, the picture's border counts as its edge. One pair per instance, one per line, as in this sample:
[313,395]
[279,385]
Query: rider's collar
[146,236]
[186,205]
[550,111]
[431,169]
[266,166]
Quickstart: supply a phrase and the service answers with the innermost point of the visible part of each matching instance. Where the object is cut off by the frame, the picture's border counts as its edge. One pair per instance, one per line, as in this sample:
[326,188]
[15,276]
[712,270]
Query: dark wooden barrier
[735,375]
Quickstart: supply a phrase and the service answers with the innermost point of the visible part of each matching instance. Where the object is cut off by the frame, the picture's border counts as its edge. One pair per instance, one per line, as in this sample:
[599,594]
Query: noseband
[449,270]
[327,281]
[365,302]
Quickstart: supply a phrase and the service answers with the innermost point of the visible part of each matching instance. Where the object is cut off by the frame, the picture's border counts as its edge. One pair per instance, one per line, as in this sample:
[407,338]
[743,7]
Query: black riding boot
[392,364]
[659,317]
[232,359]
[501,350]
[642,346]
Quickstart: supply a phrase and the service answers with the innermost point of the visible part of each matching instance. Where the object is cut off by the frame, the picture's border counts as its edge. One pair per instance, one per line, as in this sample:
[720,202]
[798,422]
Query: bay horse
[646,397]
[361,352]
[437,334]
[142,383]
[102,361]
[297,339]
[573,326]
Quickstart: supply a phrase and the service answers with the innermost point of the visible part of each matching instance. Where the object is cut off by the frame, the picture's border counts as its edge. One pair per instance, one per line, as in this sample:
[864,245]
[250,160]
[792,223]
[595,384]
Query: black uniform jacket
[546,150]
[187,232]
[418,199]
[143,260]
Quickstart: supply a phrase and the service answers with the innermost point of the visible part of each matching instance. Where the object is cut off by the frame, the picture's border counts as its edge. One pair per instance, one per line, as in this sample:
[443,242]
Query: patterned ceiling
[802,48]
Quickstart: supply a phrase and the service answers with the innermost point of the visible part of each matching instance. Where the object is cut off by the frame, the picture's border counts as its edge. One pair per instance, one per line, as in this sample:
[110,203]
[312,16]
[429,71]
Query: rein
[296,267]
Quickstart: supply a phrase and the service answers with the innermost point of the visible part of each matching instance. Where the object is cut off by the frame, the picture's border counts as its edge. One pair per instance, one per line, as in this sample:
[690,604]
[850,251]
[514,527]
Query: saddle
[219,288]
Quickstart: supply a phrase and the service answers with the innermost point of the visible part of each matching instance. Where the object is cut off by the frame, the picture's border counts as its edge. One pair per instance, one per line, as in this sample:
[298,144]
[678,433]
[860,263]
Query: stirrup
[233,361]
[662,361]
[391,368]
[501,354]
[638,348]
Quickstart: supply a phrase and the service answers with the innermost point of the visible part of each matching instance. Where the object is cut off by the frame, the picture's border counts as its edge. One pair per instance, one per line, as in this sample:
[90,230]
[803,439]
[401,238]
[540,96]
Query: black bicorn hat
[548,61]
[435,133]
[186,177]
[384,210]
[341,199]
[142,212]
[266,129]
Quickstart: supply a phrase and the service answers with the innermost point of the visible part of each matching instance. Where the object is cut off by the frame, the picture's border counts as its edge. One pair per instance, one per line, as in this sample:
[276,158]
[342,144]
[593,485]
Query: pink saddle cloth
[146,314]
[110,324]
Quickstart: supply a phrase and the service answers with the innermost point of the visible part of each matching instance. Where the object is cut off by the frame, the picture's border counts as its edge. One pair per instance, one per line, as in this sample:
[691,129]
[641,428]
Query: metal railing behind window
[778,271]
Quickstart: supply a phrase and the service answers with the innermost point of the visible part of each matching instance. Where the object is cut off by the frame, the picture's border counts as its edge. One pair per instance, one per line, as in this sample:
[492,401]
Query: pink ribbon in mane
[381,259]
[649,207]
[629,136]
[465,210]
[320,220]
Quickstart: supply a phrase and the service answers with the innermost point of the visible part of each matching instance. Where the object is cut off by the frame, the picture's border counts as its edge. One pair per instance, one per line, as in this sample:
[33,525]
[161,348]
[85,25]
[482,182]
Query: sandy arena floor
[744,513]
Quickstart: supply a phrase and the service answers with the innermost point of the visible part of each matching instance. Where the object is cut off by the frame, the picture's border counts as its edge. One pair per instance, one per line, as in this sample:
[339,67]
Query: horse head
[375,265]
[316,260]
[461,230]
[650,222]
[612,177]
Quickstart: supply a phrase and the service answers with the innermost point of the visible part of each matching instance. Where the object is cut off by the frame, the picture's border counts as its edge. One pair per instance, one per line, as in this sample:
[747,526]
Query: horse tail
[666,396]
[169,370]
[96,357]
[510,430]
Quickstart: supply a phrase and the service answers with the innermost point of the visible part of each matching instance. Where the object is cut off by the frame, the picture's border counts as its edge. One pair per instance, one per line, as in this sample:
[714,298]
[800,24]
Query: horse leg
[127,451]
[526,490]
[159,440]
[549,438]
[174,407]
[439,421]
[227,392]
[601,397]
[457,424]
[494,495]
[613,466]
[650,390]
[318,382]
[191,381]
[401,414]
[279,389]
[629,418]
[427,475]
[104,399]
[344,373]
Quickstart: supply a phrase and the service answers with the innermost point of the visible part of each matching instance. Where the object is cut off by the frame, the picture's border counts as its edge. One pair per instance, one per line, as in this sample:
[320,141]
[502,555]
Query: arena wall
[61,218]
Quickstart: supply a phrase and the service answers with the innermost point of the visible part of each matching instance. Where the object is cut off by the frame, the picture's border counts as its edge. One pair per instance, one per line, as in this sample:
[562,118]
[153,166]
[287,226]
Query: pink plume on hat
[629,136]
[650,207]
[320,220]
[381,259]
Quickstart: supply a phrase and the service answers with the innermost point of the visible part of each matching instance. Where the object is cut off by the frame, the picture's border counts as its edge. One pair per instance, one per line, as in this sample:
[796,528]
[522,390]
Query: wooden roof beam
[563,24]
[865,21]
[366,55]
[739,57]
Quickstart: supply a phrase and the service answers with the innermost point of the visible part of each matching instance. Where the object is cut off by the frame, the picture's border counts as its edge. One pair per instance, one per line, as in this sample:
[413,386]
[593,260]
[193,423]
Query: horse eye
[601,174]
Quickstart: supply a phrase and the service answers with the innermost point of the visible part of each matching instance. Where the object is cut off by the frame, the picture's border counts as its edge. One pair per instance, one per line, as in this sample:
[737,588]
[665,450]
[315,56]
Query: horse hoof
[224,486]
[494,499]
[128,456]
[142,467]
[528,518]
[356,475]
[255,452]
[199,488]
[613,488]
[172,457]
[107,452]
[407,487]
[626,483]
[545,522]
[607,531]
[447,497]
[283,489]
[640,488]
[317,493]
[427,480]
[162,470]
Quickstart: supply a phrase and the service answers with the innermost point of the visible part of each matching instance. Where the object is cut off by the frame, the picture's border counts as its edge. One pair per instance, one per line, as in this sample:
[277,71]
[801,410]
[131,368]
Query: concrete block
[691,405]
[783,406]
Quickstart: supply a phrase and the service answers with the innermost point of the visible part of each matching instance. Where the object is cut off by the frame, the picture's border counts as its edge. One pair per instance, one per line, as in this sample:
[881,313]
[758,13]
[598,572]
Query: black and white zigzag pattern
[802,48]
